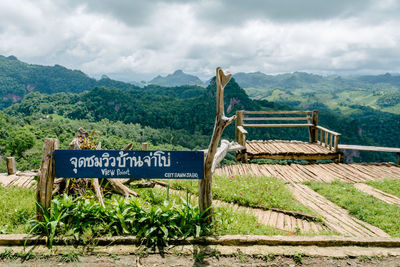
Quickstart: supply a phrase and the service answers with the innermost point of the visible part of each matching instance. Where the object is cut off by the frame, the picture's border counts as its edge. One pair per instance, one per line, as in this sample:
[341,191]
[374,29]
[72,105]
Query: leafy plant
[26,256]
[70,256]
[84,218]
[241,256]
[199,257]
[298,257]
[49,225]
[7,254]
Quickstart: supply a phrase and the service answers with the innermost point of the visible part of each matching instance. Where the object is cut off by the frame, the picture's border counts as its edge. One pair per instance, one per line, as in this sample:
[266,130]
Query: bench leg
[245,158]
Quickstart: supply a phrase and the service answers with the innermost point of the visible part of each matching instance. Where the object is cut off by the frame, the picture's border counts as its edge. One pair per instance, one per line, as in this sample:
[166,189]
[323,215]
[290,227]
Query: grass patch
[361,205]
[250,190]
[17,206]
[391,186]
[233,222]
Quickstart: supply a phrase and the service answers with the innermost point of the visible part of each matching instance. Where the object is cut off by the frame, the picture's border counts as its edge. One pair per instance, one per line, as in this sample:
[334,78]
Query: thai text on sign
[129,164]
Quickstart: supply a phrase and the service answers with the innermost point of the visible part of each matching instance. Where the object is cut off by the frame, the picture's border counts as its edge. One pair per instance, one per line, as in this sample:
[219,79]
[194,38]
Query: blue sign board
[129,164]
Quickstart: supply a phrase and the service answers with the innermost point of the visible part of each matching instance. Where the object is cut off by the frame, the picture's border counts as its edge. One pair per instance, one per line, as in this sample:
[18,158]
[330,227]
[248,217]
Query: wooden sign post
[45,180]
[11,166]
[139,164]
[112,164]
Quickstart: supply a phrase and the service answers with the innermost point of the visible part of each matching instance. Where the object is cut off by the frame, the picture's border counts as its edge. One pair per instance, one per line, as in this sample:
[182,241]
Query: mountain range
[176,79]
[362,108]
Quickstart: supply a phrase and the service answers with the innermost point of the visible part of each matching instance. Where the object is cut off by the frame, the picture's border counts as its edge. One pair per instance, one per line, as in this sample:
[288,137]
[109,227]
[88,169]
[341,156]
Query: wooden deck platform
[288,150]
[297,173]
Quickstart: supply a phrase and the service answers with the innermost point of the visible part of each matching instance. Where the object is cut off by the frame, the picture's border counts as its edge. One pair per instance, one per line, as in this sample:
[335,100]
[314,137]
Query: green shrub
[85,218]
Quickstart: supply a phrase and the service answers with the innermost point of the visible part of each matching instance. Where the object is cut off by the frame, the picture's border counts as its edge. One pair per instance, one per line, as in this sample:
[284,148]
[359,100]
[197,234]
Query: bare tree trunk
[221,121]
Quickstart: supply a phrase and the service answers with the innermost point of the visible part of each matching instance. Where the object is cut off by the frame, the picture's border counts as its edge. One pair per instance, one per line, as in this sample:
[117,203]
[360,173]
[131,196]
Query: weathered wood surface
[284,149]
[379,194]
[279,112]
[370,148]
[349,173]
[328,139]
[221,121]
[278,220]
[275,118]
[274,218]
[21,179]
[335,217]
[279,125]
[11,166]
[46,177]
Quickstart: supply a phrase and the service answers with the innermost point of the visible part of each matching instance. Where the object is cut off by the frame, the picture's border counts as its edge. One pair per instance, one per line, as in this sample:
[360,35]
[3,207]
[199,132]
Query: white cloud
[135,40]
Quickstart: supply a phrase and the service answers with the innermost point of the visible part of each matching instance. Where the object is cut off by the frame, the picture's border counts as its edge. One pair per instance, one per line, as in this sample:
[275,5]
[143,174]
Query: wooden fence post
[144,146]
[313,129]
[11,166]
[46,177]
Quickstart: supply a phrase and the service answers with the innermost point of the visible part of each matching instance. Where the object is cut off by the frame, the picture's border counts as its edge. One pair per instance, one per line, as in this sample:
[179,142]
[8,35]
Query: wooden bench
[322,145]
[372,148]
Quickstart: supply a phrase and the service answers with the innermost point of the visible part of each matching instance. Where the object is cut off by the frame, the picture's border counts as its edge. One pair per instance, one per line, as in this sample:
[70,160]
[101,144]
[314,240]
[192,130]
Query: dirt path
[379,194]
[335,217]
[200,260]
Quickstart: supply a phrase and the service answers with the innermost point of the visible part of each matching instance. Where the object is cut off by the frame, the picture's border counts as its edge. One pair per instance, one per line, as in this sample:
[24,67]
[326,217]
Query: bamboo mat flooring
[278,147]
[336,218]
[379,194]
[275,219]
[278,220]
[21,179]
[297,173]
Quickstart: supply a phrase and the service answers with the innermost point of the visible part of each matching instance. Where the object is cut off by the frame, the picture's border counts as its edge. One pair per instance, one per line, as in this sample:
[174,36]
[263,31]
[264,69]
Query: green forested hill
[303,90]
[177,78]
[184,115]
[191,110]
[18,79]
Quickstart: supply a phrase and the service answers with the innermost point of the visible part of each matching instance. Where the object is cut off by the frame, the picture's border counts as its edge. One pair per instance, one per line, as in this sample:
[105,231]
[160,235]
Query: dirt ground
[200,260]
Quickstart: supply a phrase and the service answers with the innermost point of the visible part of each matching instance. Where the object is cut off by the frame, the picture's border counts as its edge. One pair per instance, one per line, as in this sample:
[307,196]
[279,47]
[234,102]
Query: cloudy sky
[138,39]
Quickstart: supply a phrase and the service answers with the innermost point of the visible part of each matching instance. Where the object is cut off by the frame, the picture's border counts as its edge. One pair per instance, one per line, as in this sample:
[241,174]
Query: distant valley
[178,113]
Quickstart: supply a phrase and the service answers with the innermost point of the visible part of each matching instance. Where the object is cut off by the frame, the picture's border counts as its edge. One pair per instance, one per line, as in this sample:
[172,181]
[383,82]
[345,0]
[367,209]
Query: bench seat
[288,150]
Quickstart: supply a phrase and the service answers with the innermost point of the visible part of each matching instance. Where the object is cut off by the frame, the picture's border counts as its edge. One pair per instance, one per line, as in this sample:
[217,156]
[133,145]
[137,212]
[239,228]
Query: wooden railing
[372,148]
[292,118]
[328,138]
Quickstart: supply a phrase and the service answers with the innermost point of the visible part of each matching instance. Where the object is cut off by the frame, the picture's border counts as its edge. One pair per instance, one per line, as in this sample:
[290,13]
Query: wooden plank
[278,112]
[294,156]
[336,216]
[280,221]
[242,130]
[287,223]
[276,118]
[369,148]
[279,125]
[379,194]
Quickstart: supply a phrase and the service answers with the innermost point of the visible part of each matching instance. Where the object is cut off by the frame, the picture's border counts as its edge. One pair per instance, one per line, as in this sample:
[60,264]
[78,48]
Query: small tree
[20,141]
